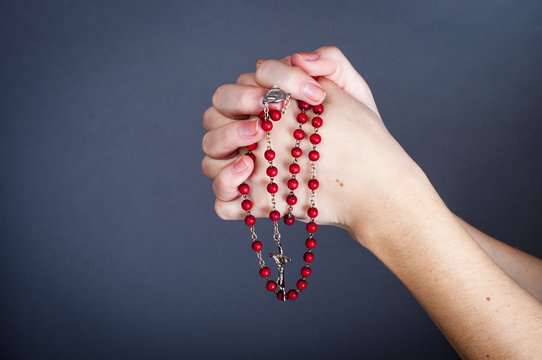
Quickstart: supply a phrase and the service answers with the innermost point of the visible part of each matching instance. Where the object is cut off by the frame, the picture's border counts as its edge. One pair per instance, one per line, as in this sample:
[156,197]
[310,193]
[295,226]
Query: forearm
[478,307]
[525,269]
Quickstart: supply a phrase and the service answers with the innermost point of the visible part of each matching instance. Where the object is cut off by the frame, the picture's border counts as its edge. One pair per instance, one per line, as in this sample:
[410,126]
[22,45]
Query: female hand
[366,178]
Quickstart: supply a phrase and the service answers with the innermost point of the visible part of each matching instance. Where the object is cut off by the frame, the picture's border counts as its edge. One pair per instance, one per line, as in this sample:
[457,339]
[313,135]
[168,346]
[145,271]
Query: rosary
[276,95]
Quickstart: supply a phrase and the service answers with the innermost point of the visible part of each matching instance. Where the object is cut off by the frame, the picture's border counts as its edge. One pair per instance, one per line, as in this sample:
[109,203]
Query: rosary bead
[243,189]
[289,219]
[274,215]
[312,227]
[252,156]
[302,118]
[313,184]
[291,199]
[252,146]
[250,220]
[315,139]
[301,284]
[275,115]
[303,105]
[269,155]
[312,212]
[294,168]
[297,152]
[292,294]
[280,295]
[272,188]
[246,205]
[299,134]
[271,285]
[272,171]
[293,184]
[262,115]
[314,155]
[317,122]
[308,257]
[306,271]
[265,272]
[310,243]
[267,125]
[257,245]
[318,109]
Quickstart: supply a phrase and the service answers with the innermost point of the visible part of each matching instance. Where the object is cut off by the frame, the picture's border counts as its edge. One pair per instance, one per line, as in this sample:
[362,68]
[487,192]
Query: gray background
[110,246]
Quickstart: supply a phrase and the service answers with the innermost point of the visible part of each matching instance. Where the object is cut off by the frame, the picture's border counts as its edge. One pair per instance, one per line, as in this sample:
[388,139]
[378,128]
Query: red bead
[257,245]
[317,122]
[271,285]
[315,78]
[269,155]
[313,184]
[318,109]
[291,199]
[296,152]
[302,118]
[274,215]
[267,125]
[292,294]
[272,171]
[252,146]
[312,212]
[301,284]
[252,156]
[311,227]
[246,204]
[275,115]
[293,184]
[303,105]
[250,220]
[280,295]
[289,219]
[306,271]
[308,257]
[314,155]
[294,168]
[265,272]
[272,188]
[310,243]
[299,134]
[243,189]
[315,139]
[262,115]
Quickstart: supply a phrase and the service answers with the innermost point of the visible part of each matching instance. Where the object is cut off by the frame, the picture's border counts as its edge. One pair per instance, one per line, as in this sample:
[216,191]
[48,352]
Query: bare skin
[481,293]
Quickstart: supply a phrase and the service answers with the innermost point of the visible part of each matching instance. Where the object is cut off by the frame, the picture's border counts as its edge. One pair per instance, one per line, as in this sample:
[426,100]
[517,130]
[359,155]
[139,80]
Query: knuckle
[204,141]
[207,118]
[220,211]
[243,95]
[217,93]
[243,77]
[259,75]
[206,168]
[333,50]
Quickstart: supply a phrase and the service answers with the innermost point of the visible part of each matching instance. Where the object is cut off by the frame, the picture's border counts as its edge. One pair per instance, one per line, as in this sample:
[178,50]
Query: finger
[330,62]
[236,100]
[230,177]
[290,79]
[210,167]
[246,79]
[222,141]
[212,119]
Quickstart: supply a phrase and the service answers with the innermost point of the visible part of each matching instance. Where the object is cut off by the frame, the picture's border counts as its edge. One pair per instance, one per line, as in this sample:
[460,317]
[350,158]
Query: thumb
[330,62]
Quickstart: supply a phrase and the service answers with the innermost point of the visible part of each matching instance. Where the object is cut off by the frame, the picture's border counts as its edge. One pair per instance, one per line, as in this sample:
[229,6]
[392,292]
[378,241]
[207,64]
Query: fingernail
[309,56]
[240,165]
[313,92]
[250,128]
[259,62]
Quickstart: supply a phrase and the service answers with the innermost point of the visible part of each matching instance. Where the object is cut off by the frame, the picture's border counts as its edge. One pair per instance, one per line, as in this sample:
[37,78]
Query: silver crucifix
[280,259]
